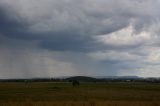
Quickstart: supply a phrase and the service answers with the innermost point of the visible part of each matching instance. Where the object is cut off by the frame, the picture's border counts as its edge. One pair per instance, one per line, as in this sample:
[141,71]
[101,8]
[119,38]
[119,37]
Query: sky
[51,38]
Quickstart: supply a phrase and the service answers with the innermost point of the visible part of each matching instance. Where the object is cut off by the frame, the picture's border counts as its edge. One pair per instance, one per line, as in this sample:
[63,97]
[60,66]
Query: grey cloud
[67,20]
[71,26]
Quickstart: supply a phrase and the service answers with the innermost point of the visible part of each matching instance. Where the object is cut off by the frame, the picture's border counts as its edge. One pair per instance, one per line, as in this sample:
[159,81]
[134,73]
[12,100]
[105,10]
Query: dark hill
[81,78]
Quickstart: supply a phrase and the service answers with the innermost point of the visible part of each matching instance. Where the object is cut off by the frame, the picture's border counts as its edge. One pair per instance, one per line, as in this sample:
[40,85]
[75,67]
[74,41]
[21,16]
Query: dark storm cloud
[66,43]
[107,35]
[13,28]
[77,34]
[81,24]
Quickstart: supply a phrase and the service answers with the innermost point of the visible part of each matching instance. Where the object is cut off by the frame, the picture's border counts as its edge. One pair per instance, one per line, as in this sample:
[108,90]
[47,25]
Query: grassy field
[87,94]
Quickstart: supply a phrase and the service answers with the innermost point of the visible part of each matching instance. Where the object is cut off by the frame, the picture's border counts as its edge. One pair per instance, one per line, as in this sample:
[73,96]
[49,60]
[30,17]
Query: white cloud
[149,71]
[114,55]
[125,37]
[153,56]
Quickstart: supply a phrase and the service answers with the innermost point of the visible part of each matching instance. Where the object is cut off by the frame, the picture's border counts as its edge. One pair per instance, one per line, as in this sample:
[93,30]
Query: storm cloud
[48,38]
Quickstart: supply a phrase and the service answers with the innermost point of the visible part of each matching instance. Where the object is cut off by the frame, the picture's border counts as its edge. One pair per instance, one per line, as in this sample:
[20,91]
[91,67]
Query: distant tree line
[84,79]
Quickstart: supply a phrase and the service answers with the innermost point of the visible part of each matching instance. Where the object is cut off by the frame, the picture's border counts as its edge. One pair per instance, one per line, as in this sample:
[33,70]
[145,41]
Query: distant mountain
[117,77]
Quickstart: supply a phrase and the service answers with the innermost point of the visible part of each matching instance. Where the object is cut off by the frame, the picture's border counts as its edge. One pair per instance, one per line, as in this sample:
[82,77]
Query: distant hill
[81,78]
[117,77]
[88,79]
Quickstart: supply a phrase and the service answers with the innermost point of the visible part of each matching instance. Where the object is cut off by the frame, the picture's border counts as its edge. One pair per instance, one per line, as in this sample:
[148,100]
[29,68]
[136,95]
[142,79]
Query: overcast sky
[50,38]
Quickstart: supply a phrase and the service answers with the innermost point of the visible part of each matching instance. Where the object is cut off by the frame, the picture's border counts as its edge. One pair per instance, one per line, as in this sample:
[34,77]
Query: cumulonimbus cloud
[90,28]
[53,21]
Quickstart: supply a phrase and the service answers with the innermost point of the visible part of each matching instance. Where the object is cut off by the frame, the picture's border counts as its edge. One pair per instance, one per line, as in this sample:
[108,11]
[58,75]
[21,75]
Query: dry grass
[88,94]
[83,103]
